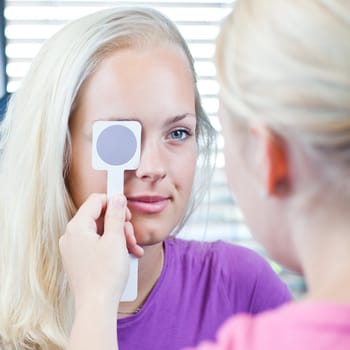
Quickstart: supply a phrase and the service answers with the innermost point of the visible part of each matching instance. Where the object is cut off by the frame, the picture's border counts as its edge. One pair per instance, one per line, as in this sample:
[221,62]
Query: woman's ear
[273,154]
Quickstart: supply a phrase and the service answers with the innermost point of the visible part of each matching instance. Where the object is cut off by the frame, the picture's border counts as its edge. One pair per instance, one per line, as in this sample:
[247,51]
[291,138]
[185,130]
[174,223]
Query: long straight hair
[36,308]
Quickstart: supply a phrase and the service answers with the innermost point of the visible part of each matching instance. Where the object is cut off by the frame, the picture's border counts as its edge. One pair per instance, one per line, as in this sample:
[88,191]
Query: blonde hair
[35,206]
[287,64]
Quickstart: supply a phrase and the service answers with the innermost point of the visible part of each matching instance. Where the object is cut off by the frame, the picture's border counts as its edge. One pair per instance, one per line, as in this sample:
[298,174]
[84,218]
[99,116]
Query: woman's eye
[179,134]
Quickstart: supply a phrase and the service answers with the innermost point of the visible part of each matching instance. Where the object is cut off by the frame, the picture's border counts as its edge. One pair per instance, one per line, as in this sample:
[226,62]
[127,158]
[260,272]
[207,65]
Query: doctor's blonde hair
[286,64]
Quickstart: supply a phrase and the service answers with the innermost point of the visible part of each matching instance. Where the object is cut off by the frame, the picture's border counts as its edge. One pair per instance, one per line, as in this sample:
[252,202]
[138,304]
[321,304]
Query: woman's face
[156,88]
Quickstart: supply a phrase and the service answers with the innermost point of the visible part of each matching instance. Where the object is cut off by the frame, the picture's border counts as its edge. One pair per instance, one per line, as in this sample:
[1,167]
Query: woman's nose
[152,163]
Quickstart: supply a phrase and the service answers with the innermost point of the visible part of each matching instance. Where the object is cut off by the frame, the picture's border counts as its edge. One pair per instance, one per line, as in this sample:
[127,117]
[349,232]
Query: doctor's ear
[273,159]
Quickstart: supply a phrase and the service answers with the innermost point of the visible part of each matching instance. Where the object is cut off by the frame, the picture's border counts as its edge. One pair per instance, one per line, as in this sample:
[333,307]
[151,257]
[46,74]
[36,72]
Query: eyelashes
[180,134]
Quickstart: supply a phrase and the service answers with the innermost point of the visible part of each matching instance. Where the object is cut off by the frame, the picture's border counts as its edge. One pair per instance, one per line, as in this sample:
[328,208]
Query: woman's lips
[148,204]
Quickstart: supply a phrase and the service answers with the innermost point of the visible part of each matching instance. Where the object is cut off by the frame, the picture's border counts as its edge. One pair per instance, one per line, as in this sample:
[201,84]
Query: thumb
[115,215]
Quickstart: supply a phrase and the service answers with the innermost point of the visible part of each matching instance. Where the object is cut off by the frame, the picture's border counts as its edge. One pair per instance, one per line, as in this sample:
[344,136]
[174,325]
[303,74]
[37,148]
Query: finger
[115,215]
[132,245]
[88,214]
[128,214]
[93,206]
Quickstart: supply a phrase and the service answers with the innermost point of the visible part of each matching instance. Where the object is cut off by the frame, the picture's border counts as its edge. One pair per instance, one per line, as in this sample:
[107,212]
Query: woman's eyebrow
[180,117]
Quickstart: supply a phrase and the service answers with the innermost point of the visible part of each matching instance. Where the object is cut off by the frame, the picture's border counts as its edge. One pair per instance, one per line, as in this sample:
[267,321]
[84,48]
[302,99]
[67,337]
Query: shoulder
[242,277]
[204,249]
[251,332]
[224,254]
[246,331]
[299,324]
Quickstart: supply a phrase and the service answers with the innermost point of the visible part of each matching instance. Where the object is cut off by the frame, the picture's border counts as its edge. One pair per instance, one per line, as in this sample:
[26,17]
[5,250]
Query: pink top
[303,325]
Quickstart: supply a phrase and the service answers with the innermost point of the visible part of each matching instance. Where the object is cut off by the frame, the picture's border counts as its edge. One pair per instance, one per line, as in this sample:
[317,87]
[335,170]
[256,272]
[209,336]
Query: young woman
[283,68]
[117,64]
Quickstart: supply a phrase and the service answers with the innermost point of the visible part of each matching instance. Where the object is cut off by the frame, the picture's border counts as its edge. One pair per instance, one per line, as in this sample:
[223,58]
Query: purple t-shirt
[200,286]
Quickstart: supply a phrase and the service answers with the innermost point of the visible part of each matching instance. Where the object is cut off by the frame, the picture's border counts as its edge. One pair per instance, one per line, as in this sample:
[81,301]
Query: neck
[324,250]
[150,268]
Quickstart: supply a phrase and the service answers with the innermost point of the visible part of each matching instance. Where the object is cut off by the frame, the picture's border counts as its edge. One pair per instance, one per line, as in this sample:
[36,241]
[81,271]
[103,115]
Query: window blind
[29,23]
